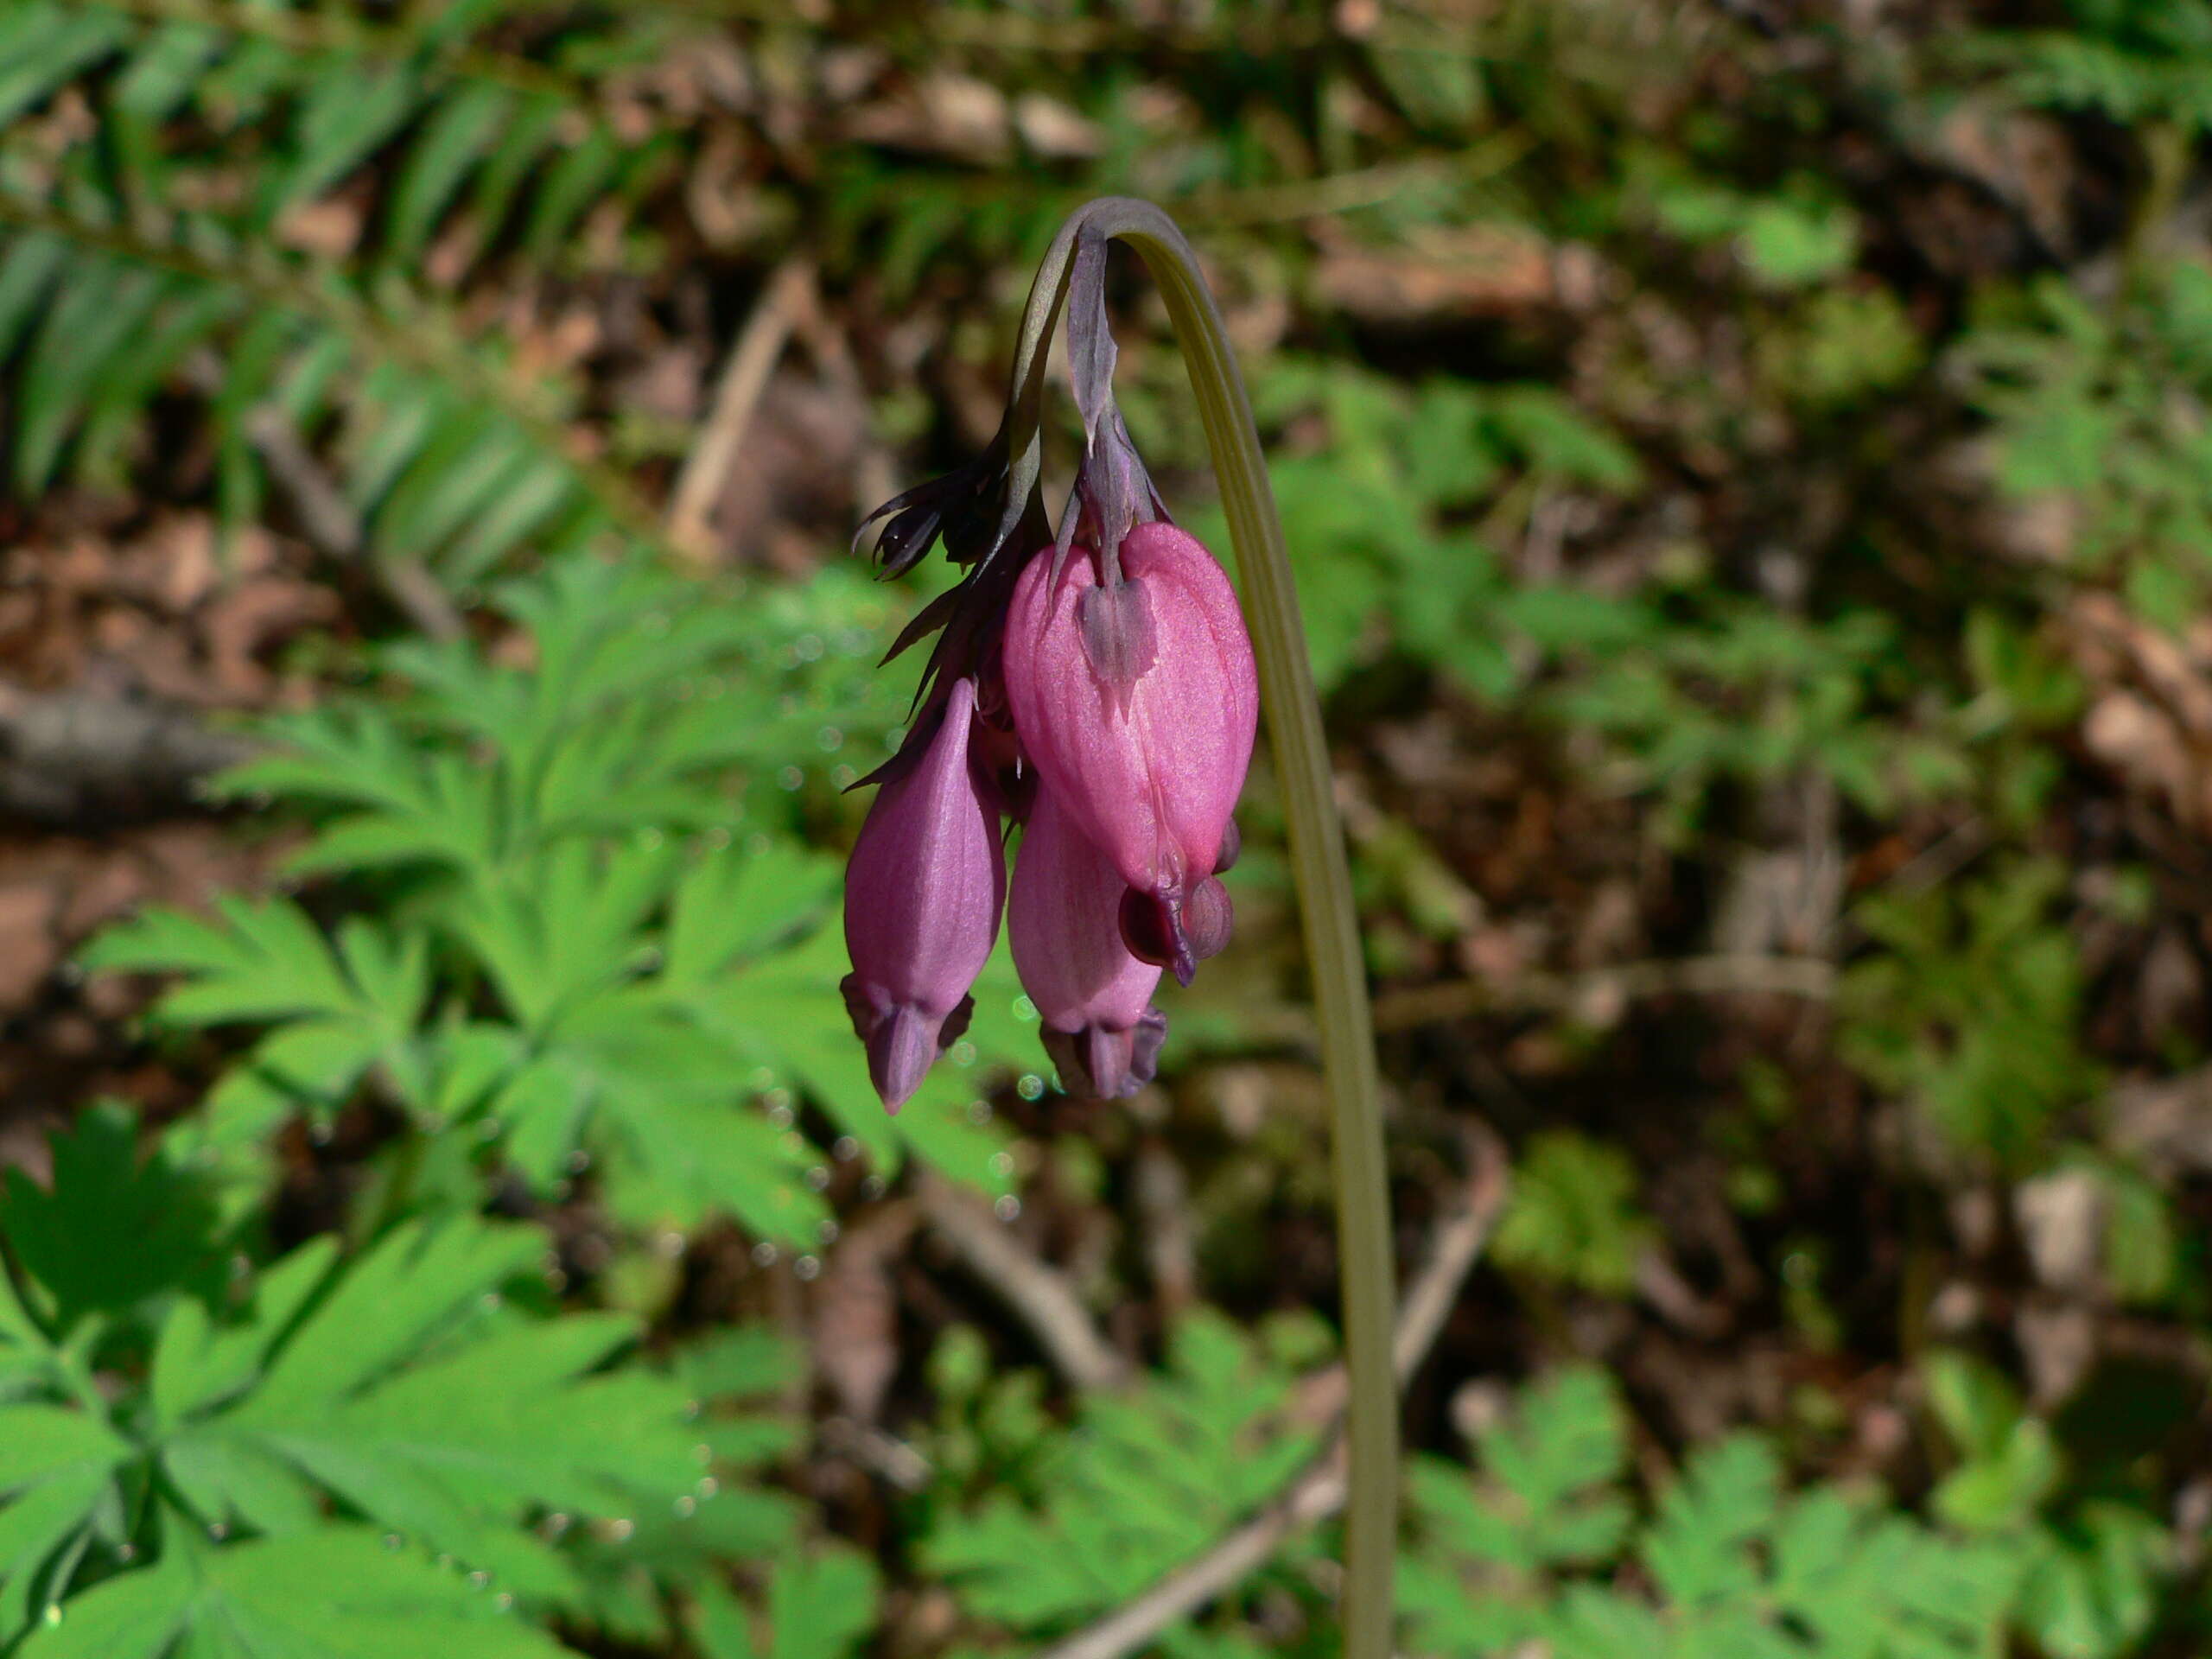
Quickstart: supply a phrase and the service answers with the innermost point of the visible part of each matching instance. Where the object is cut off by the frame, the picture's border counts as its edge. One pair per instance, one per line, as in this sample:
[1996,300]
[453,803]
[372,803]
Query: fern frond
[496,109]
[451,460]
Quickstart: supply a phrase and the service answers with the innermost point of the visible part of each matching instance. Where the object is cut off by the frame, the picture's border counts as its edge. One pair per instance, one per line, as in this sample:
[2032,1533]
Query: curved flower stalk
[1116,689]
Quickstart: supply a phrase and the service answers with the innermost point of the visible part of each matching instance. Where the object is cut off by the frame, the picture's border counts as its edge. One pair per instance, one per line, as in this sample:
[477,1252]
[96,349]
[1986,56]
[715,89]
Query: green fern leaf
[401,1394]
[820,1606]
[334,1593]
[1146,1482]
[64,1235]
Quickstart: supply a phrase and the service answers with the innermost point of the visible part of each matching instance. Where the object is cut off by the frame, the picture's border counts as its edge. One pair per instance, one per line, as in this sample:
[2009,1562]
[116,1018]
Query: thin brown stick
[1812,978]
[335,529]
[72,760]
[1319,1491]
[327,519]
[787,299]
[1038,1293]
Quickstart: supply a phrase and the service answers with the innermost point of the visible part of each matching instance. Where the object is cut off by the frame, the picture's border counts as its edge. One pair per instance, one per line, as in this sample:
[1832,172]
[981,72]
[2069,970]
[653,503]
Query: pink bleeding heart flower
[1136,699]
[1093,996]
[923,896]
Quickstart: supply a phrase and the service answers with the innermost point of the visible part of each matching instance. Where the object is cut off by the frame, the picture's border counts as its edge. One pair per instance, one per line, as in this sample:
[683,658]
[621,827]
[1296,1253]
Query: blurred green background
[1749,469]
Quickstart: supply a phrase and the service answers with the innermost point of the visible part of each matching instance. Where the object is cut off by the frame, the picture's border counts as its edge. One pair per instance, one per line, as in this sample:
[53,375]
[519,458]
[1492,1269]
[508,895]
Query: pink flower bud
[922,900]
[1137,704]
[1094,997]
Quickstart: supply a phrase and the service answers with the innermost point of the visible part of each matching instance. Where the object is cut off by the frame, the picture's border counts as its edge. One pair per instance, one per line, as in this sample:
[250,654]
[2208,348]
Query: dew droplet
[394,1543]
[578,1161]
[827,1233]
[806,1267]
[963,1052]
[830,739]
[1001,1164]
[618,1530]
[817,1177]
[791,778]
[684,1506]
[763,1254]
[480,1579]
[875,1187]
[845,1150]
[979,1111]
[1029,1086]
[1007,1208]
[708,1486]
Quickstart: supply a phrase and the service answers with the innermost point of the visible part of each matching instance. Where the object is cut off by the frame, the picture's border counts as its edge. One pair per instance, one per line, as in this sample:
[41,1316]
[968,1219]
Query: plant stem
[1331,924]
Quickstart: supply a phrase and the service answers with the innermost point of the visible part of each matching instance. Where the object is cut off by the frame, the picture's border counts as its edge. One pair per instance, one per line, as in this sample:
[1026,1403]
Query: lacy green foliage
[1065,1525]
[590,934]
[112,289]
[2098,418]
[445,454]
[342,1457]
[1572,1215]
[1377,511]
[2133,60]
[1394,521]
[1728,1563]
[1972,1008]
[1795,236]
[2096,1559]
[489,116]
[822,1606]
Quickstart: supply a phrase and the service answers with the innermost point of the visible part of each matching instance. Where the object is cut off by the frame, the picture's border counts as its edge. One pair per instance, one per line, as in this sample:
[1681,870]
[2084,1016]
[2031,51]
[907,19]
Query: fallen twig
[335,529]
[1036,1291]
[783,304]
[327,519]
[1318,1491]
[1810,977]
[70,757]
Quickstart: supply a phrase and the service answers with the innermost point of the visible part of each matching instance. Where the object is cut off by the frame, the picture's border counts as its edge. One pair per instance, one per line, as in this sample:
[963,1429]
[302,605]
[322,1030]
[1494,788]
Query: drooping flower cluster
[1098,689]
[1114,717]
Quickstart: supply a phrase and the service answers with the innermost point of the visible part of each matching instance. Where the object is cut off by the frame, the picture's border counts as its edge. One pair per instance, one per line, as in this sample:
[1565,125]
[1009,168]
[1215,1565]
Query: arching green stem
[1316,853]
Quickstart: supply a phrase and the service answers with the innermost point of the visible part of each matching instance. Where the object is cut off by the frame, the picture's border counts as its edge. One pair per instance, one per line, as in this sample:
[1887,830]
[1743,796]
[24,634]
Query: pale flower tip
[1107,1062]
[900,1050]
